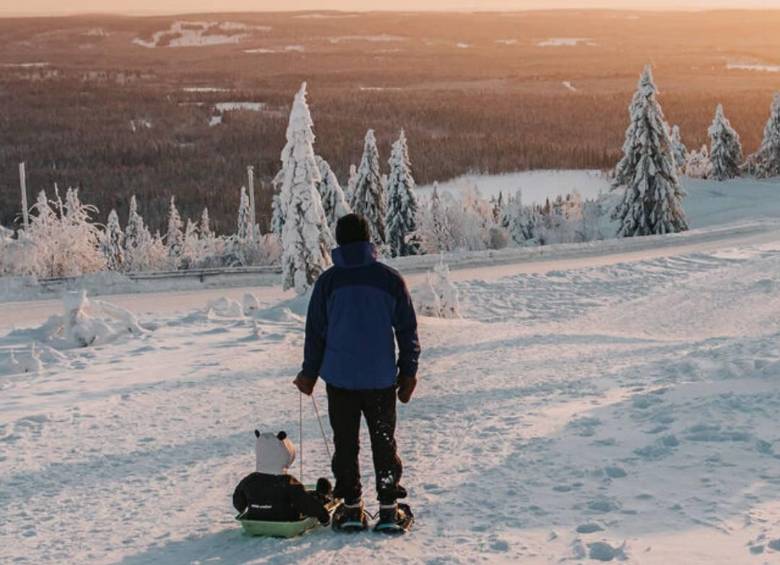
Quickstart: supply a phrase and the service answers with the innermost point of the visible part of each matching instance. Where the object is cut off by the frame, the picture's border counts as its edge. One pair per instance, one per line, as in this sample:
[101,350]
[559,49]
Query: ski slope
[610,402]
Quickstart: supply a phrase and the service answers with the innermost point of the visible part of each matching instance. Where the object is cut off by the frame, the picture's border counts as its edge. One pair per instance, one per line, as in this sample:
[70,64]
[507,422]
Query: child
[270,494]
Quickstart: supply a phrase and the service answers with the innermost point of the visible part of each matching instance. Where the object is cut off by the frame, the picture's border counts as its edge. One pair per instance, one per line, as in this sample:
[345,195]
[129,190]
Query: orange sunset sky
[48,7]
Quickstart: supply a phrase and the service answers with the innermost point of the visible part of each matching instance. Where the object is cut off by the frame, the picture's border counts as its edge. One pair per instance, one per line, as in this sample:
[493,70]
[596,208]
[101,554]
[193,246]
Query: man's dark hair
[351,229]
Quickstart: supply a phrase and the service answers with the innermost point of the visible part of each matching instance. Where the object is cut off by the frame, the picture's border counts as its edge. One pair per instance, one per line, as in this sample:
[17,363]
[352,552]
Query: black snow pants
[378,407]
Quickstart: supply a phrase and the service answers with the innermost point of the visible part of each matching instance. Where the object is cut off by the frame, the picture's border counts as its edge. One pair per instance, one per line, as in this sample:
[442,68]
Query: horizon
[50,8]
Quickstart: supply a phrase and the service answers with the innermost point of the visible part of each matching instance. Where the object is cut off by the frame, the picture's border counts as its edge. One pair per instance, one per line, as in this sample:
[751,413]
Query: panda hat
[274,453]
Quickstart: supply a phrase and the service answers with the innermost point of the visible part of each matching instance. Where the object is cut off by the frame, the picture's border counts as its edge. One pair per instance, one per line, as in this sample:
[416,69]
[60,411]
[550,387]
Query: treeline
[94,136]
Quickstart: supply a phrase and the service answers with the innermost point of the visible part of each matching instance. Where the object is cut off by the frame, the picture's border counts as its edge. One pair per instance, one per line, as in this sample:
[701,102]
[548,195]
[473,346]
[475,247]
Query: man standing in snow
[356,308]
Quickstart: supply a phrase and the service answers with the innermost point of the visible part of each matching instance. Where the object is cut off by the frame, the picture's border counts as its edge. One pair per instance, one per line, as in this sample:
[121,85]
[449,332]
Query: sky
[50,7]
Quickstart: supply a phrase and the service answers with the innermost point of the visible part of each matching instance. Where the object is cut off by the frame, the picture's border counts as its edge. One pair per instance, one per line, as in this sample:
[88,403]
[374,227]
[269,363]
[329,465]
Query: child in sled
[270,494]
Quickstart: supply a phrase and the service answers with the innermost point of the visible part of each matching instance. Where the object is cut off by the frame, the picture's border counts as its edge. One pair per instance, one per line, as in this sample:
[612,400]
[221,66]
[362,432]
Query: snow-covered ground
[199,34]
[753,67]
[536,186]
[625,410]
[616,400]
[565,42]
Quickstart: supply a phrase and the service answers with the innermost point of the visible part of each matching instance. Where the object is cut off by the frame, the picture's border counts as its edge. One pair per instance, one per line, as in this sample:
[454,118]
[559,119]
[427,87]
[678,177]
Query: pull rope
[322,429]
[300,430]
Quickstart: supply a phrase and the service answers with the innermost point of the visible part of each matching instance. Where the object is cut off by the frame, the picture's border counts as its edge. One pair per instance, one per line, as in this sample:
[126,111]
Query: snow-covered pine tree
[190,247]
[334,203]
[435,230]
[112,243]
[652,201]
[244,223]
[369,200]
[135,225]
[679,150]
[205,225]
[306,237]
[518,220]
[174,236]
[765,162]
[725,147]
[349,192]
[401,218]
[277,215]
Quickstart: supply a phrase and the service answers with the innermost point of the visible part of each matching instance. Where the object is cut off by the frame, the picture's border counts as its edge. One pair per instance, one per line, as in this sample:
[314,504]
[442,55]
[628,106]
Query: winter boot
[394,519]
[350,518]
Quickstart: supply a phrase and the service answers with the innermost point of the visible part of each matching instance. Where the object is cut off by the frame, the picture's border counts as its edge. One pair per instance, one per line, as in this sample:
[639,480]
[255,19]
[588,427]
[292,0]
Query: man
[356,308]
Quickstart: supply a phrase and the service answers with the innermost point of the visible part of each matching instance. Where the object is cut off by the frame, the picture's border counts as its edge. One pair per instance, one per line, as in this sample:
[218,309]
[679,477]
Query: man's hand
[406,387]
[305,385]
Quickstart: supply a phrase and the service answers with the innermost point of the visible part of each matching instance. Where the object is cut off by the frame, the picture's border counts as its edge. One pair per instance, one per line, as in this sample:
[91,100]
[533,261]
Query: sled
[260,528]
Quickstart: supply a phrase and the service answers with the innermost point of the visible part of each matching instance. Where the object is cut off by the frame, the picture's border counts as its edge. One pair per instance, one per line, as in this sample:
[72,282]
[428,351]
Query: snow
[569,86]
[34,65]
[536,185]
[581,411]
[205,89]
[380,38]
[199,34]
[259,50]
[462,45]
[566,42]
[609,401]
[506,41]
[753,67]
[295,48]
[236,106]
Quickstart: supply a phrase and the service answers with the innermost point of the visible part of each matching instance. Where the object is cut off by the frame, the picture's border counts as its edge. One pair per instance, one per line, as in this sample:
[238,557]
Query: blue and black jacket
[359,308]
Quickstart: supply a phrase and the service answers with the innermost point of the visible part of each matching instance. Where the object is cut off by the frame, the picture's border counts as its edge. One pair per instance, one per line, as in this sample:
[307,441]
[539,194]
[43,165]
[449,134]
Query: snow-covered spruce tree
[369,199]
[277,215]
[434,225]
[652,201]
[140,252]
[174,237]
[190,246]
[519,220]
[205,225]
[725,147]
[334,202]
[679,150]
[349,192]
[401,218]
[765,162]
[306,237]
[244,223]
[112,243]
[135,225]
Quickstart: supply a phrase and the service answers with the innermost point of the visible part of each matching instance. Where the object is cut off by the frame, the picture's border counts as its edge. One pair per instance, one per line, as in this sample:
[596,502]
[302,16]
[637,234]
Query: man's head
[352,228]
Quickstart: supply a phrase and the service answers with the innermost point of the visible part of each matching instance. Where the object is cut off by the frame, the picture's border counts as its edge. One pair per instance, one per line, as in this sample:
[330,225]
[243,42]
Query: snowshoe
[397,519]
[350,519]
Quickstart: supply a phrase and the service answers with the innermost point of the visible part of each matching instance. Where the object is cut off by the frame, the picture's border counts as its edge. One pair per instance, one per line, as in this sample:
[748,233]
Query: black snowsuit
[277,498]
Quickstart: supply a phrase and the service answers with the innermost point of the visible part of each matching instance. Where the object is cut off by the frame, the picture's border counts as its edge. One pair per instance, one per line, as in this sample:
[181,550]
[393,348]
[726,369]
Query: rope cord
[322,429]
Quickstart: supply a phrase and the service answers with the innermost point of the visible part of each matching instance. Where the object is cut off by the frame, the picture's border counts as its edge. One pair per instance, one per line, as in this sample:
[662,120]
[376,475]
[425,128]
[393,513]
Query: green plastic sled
[280,529]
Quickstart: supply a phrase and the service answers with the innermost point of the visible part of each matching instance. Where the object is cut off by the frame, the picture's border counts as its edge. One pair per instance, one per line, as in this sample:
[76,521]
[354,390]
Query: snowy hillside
[708,202]
[615,407]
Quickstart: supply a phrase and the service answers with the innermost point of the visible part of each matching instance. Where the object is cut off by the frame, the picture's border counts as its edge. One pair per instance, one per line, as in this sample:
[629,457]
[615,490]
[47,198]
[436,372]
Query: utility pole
[250,171]
[23,186]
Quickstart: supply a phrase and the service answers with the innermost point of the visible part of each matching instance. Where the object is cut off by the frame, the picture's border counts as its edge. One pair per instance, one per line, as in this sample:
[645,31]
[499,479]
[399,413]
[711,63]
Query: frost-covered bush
[61,240]
[699,165]
[438,296]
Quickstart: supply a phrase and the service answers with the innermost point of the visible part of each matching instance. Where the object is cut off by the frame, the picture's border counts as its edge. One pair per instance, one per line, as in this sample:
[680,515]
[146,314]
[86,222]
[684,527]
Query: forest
[86,106]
